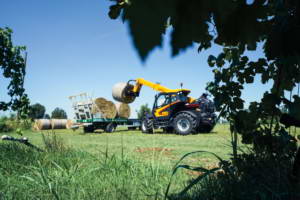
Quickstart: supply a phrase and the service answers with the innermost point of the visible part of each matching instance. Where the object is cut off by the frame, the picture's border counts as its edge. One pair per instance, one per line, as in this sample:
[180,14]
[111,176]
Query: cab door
[161,108]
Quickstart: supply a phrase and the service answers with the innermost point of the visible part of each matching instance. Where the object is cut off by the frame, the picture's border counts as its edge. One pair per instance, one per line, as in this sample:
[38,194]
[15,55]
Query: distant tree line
[38,111]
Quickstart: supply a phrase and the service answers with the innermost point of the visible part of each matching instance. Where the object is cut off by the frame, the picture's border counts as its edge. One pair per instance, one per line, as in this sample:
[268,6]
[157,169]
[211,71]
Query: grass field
[165,147]
[119,165]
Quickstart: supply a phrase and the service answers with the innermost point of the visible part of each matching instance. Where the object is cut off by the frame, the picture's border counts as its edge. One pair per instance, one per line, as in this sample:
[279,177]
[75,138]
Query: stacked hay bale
[107,109]
[123,110]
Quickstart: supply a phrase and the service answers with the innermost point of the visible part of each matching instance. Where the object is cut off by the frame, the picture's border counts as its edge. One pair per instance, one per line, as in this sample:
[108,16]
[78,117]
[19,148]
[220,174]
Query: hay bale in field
[34,125]
[69,124]
[123,110]
[59,123]
[42,124]
[106,108]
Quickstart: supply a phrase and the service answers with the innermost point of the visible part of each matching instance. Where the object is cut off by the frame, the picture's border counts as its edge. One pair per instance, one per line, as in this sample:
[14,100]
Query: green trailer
[108,125]
[82,106]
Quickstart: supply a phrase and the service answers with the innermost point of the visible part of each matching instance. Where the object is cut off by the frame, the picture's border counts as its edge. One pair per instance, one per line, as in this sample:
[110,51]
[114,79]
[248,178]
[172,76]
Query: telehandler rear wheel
[184,124]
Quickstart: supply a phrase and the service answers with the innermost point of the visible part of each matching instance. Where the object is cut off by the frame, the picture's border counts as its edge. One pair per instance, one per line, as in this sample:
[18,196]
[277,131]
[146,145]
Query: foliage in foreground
[254,176]
[62,173]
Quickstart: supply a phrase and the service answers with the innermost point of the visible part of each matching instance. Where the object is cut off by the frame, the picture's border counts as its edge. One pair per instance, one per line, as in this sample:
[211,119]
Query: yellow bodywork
[155,86]
[161,112]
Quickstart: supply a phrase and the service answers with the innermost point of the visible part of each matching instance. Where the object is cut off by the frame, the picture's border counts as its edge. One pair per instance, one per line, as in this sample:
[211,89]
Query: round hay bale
[123,110]
[95,109]
[59,123]
[106,108]
[43,124]
[35,125]
[110,110]
[69,124]
[119,92]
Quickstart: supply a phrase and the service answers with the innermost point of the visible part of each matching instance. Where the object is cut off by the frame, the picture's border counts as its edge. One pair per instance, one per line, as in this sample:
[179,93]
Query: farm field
[165,147]
[120,165]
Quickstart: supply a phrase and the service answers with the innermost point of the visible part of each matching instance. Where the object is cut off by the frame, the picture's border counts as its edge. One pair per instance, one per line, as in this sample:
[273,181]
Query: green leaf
[114,11]
[211,60]
[147,23]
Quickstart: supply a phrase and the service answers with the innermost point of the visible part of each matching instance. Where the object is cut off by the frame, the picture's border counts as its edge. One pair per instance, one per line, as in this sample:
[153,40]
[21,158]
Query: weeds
[54,143]
[63,173]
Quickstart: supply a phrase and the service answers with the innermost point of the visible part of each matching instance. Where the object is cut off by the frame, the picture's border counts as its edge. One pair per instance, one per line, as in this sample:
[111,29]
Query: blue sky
[74,47]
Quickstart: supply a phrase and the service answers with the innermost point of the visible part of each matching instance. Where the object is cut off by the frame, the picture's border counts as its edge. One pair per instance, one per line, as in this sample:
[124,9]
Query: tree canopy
[37,111]
[241,23]
[59,113]
[143,110]
[12,65]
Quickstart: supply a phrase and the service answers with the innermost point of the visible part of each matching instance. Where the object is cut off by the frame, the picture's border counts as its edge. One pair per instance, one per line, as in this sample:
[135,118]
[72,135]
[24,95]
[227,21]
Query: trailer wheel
[184,124]
[111,127]
[88,129]
[147,126]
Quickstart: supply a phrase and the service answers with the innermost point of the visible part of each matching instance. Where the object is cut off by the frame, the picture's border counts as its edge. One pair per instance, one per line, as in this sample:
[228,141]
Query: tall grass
[249,177]
[63,173]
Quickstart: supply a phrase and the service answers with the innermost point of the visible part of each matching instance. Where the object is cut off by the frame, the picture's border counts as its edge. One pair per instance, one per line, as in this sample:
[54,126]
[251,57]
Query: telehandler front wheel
[147,126]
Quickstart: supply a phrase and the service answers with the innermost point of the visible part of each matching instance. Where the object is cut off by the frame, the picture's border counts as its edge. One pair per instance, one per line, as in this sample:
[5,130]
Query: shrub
[5,126]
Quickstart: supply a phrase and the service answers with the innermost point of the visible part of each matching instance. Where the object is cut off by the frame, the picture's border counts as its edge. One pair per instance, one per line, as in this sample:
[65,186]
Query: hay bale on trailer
[106,108]
[123,110]
[95,109]
[42,124]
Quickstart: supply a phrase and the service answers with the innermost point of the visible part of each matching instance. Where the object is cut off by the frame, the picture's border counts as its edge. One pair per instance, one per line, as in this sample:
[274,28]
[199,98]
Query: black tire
[147,126]
[168,130]
[205,128]
[132,128]
[88,129]
[184,124]
[111,127]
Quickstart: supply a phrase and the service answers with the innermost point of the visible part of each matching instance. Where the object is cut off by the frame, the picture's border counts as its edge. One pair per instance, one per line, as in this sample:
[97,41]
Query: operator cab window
[182,97]
[174,98]
[162,100]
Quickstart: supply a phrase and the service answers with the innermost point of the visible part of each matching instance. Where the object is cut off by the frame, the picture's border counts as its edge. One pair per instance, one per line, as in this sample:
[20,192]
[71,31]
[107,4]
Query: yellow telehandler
[173,110]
